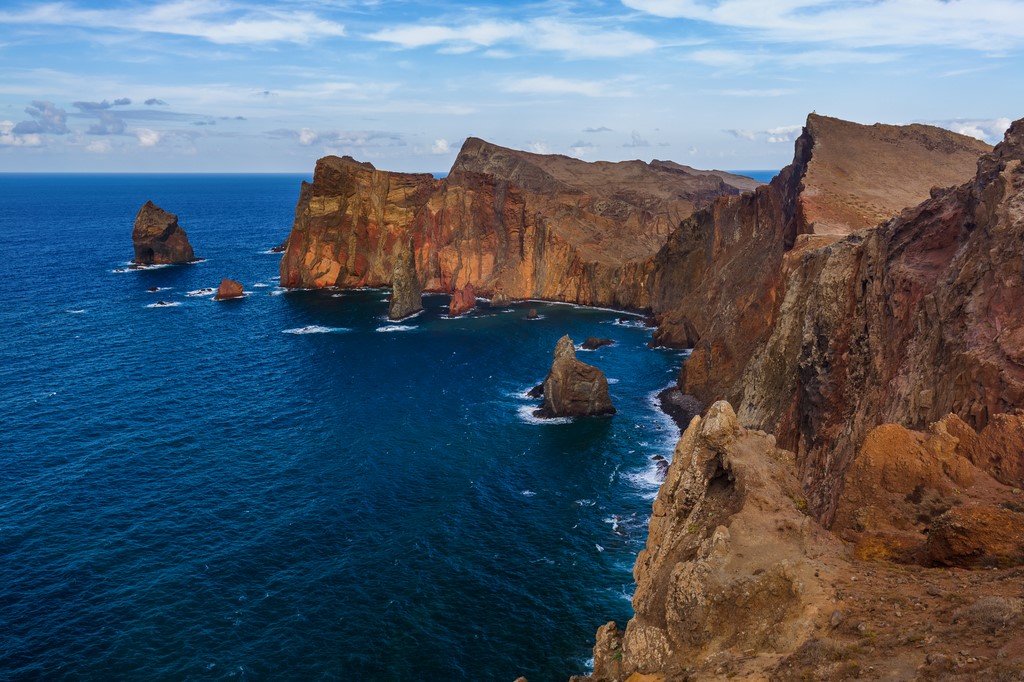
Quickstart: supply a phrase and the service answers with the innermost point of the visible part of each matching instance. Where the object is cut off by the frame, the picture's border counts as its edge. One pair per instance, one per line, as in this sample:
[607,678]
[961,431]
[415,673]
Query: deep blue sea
[289,486]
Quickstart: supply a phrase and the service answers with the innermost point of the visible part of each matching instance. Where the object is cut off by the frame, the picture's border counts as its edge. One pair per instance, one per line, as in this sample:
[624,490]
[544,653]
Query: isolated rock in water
[594,342]
[228,288]
[531,314]
[680,407]
[573,388]
[406,292]
[280,247]
[158,239]
[462,302]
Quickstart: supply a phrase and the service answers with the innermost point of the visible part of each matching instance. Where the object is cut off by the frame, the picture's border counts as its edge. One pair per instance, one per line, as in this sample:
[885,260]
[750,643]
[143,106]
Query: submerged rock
[158,239]
[228,289]
[406,292]
[573,388]
[462,301]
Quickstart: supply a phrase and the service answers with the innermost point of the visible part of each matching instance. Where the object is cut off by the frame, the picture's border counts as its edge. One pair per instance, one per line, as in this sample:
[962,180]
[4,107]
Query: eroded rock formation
[158,239]
[512,224]
[462,301]
[229,289]
[406,289]
[573,388]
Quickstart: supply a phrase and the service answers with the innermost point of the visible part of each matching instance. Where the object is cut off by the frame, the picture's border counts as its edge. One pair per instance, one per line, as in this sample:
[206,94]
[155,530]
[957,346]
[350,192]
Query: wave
[527,493]
[409,317]
[132,267]
[75,312]
[260,285]
[153,290]
[634,324]
[396,328]
[164,304]
[612,380]
[207,291]
[316,329]
[526,414]
[585,502]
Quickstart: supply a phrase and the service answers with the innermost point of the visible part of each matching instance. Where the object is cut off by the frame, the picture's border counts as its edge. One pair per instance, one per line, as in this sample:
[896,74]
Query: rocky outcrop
[463,301]
[739,581]
[406,290]
[512,224]
[573,388]
[229,289]
[819,337]
[158,239]
[595,342]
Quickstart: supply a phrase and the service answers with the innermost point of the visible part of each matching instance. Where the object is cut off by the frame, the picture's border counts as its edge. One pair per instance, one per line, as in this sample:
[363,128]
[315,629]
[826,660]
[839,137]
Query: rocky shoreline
[855,327]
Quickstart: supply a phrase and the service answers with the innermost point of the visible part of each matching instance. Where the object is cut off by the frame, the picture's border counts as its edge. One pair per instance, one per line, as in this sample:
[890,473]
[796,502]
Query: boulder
[228,289]
[406,292]
[975,537]
[158,239]
[463,300]
[595,342]
[531,314]
[573,388]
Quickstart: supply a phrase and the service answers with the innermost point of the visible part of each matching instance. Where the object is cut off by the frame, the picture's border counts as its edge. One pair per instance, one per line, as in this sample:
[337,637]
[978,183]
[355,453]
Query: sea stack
[573,388]
[158,239]
[406,292]
[463,300]
[229,289]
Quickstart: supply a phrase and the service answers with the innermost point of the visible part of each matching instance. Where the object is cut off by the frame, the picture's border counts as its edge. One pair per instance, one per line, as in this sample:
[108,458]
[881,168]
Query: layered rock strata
[514,225]
[573,388]
[158,239]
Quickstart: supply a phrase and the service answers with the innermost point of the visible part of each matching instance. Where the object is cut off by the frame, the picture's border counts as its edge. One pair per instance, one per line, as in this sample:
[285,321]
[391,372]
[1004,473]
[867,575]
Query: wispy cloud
[986,25]
[542,34]
[636,140]
[340,138]
[218,21]
[544,85]
[771,135]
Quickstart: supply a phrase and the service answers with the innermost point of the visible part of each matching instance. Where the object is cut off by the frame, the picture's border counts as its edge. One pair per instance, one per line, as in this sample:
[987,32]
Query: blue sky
[227,85]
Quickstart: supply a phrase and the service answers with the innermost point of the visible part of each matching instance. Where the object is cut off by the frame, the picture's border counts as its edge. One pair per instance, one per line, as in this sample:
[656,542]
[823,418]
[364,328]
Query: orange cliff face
[514,225]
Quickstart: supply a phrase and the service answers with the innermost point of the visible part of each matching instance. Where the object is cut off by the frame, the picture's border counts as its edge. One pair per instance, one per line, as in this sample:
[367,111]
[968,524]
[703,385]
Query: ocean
[289,486]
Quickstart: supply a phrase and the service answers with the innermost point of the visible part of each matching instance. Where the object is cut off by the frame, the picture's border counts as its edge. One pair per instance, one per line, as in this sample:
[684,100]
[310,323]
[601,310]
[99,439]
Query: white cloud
[542,34]
[9,139]
[538,147]
[220,21]
[147,137]
[440,146]
[561,86]
[989,130]
[308,136]
[98,147]
[770,135]
[579,149]
[986,25]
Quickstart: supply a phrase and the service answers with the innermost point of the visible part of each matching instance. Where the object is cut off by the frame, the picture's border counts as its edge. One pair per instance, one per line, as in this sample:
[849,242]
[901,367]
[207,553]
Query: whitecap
[164,304]
[396,328]
[612,380]
[260,285]
[316,329]
[153,290]
[407,317]
[202,292]
[75,312]
[527,493]
[647,481]
[270,252]
[526,414]
[585,502]
[599,547]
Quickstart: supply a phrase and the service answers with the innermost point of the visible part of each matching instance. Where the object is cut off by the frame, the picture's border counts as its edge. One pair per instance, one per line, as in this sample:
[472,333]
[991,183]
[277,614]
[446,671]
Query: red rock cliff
[512,224]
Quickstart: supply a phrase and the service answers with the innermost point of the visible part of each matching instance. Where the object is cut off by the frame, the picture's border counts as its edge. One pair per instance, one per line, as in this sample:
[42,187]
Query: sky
[265,86]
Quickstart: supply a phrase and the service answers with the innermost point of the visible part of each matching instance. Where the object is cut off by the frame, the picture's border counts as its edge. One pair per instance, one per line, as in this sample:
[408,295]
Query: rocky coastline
[849,505]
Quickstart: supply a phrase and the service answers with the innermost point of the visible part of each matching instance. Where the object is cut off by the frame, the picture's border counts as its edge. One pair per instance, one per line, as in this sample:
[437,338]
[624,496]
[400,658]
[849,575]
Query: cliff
[514,225]
[158,239]
[777,311]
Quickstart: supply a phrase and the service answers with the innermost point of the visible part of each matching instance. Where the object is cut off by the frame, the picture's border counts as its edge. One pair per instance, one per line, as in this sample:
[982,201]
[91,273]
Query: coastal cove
[291,484]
